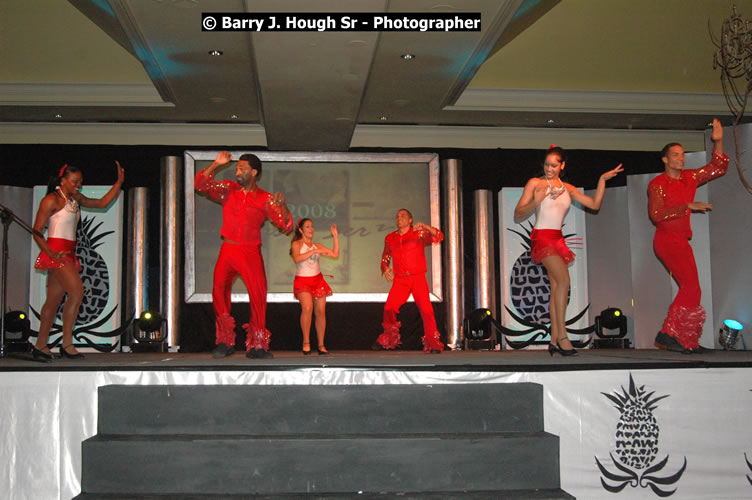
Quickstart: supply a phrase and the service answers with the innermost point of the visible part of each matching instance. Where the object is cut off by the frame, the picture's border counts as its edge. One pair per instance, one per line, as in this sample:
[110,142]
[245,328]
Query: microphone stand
[7,217]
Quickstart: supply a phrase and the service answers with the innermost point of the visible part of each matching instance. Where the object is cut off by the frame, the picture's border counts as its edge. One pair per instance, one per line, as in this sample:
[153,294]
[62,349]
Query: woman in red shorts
[550,197]
[309,286]
[60,212]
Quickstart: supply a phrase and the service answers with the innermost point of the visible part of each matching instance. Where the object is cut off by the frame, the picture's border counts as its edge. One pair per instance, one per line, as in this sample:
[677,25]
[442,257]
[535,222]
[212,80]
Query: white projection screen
[360,192]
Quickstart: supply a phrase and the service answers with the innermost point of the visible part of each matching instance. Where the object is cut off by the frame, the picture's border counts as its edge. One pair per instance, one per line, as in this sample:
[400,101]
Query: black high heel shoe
[38,355]
[66,354]
[322,350]
[566,352]
[306,353]
[553,349]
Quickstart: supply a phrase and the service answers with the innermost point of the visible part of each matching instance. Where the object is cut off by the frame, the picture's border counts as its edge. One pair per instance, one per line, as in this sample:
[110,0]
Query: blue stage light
[732,323]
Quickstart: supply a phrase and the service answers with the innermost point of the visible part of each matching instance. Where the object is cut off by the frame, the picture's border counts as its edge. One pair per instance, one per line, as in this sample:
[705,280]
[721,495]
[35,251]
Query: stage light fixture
[17,331]
[611,318]
[149,332]
[478,328]
[729,334]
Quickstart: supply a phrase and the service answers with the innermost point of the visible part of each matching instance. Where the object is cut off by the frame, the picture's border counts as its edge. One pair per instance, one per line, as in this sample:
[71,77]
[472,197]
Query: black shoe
[377,347]
[66,354]
[669,343]
[435,351]
[699,350]
[259,354]
[222,351]
[322,350]
[38,355]
[553,349]
[306,352]
[564,352]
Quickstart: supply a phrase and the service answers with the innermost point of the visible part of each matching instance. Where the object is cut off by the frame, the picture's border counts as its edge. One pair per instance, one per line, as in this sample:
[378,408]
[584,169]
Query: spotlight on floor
[17,330]
[729,334]
[149,333]
[478,330]
[611,318]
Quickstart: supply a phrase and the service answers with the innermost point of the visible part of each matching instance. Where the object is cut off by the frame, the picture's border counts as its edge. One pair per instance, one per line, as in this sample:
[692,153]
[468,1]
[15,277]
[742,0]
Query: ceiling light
[407,57]
[550,121]
[58,116]
[215,52]
[383,118]
[234,117]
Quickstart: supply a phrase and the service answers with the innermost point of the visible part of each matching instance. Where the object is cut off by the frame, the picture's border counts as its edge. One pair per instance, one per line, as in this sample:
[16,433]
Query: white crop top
[550,213]
[310,266]
[63,223]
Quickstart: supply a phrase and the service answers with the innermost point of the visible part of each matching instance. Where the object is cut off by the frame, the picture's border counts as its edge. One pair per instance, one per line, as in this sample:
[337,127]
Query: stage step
[415,441]
[556,494]
[304,409]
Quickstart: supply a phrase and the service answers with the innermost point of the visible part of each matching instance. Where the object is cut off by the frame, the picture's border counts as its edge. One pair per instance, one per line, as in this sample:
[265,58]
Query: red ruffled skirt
[547,242]
[315,285]
[44,262]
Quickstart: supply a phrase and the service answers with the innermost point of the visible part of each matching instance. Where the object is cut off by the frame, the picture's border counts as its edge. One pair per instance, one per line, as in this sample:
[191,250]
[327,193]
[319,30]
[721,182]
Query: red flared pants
[686,316]
[402,287]
[246,261]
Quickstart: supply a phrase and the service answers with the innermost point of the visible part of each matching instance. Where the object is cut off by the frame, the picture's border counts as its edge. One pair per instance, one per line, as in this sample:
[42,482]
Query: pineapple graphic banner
[99,250]
[525,286]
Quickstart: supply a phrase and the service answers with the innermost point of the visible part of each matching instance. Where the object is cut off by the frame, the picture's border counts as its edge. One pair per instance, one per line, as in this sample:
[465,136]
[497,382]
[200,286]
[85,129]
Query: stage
[683,415]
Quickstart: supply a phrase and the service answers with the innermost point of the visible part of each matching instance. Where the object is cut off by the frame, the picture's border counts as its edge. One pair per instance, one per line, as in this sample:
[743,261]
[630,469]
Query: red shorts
[315,285]
[547,242]
[44,262]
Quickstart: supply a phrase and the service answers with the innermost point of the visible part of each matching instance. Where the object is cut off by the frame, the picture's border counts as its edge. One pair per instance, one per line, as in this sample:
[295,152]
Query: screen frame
[430,160]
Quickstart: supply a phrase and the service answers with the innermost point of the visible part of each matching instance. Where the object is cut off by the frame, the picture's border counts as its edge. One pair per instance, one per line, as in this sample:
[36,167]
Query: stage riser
[279,410]
[556,494]
[173,464]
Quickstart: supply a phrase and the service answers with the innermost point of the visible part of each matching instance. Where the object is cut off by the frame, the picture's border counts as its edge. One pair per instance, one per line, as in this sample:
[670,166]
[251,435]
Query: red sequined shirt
[243,213]
[407,251]
[668,198]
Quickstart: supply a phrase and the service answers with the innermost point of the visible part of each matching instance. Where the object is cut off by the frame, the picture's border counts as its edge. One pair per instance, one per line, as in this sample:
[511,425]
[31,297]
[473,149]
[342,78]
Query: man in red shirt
[404,249]
[245,206]
[670,202]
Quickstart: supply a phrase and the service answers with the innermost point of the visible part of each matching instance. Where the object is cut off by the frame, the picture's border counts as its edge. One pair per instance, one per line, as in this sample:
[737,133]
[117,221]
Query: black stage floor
[476,361]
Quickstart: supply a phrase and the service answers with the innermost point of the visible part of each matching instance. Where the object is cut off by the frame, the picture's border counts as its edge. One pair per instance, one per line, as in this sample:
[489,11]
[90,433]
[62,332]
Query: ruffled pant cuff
[432,342]
[256,338]
[390,339]
[225,330]
[685,325]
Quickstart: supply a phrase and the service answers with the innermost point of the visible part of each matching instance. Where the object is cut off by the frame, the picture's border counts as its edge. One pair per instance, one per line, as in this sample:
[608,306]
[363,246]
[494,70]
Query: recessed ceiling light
[408,57]
[215,52]
[383,118]
[234,117]
[550,121]
[58,115]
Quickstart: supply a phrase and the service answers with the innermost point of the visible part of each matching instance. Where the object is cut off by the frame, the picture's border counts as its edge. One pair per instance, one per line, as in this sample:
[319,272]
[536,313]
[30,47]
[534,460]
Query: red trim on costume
[547,242]
[315,285]
[44,262]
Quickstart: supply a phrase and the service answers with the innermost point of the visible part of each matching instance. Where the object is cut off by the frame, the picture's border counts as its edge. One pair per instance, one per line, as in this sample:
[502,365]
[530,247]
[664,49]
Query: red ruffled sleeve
[716,168]
[206,185]
[386,255]
[277,216]
[428,239]
[657,208]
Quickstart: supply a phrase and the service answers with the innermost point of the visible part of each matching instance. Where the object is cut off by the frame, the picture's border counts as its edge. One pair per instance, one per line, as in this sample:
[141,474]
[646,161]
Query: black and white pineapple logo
[637,434]
[530,293]
[94,274]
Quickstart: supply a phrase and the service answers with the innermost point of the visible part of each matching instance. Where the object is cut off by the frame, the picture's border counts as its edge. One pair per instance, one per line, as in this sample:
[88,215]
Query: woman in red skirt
[309,286]
[60,212]
[550,198]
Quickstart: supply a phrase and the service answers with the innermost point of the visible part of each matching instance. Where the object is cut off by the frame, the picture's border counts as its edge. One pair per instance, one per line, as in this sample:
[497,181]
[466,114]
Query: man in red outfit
[245,206]
[404,249]
[670,203]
